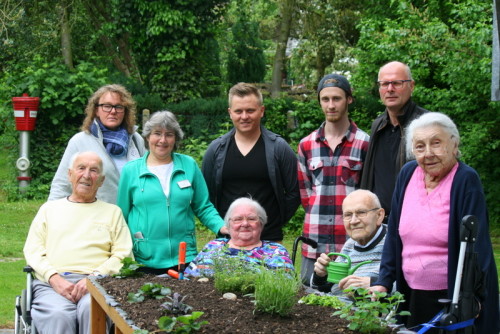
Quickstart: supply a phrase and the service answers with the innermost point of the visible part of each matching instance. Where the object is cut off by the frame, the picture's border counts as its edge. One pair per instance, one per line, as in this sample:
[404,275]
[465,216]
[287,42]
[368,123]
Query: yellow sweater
[77,238]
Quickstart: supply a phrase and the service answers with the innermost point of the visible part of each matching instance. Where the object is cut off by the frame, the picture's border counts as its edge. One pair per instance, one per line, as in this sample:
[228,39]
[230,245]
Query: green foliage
[448,48]
[370,316]
[246,61]
[149,290]
[323,300]
[190,323]
[276,291]
[176,304]
[63,96]
[233,274]
[201,117]
[175,43]
[129,269]
[309,117]
[278,116]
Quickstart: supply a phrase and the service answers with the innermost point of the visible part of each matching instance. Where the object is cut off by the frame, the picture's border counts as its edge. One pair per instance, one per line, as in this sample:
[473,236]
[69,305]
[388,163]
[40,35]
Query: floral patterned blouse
[272,255]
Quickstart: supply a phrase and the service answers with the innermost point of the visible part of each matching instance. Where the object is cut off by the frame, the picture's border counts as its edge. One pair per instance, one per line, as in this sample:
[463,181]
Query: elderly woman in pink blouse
[421,251]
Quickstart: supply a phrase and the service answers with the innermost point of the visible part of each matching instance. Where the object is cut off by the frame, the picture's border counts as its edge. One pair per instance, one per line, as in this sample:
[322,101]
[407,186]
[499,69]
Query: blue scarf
[115,141]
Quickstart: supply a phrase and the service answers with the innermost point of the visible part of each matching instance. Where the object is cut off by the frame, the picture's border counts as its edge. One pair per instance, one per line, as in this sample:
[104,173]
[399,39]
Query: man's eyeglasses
[347,216]
[109,107]
[249,219]
[396,83]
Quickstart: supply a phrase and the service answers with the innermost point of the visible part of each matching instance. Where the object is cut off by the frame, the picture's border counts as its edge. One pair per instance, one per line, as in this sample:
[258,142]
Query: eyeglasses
[109,107]
[396,84]
[249,219]
[347,216]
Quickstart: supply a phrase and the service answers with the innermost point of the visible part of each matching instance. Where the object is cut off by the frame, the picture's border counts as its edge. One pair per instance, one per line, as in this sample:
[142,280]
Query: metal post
[23,163]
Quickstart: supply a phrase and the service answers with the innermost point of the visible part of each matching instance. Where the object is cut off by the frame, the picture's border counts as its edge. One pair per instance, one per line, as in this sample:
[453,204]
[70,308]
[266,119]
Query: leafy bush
[368,316]
[129,269]
[233,274]
[323,300]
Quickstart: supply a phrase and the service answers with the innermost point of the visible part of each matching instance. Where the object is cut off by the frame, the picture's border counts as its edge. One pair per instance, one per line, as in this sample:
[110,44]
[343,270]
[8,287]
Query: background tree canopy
[184,55]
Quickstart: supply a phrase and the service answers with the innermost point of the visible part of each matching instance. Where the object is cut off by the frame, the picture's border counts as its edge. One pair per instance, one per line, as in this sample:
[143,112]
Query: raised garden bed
[223,316]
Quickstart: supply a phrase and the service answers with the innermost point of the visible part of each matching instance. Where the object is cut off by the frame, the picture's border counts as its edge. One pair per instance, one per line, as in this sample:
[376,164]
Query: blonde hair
[127,101]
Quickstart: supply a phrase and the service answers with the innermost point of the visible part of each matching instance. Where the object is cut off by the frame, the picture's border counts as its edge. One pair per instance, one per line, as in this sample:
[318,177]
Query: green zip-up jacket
[157,223]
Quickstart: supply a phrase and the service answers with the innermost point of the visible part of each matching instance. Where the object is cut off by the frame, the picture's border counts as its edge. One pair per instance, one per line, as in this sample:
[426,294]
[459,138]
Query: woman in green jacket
[160,194]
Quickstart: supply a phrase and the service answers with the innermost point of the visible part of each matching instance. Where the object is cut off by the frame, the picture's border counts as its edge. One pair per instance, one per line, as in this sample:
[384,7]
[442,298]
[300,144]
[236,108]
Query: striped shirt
[326,177]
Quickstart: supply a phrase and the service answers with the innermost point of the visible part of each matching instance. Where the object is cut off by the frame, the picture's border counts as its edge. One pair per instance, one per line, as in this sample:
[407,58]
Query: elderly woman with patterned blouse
[245,220]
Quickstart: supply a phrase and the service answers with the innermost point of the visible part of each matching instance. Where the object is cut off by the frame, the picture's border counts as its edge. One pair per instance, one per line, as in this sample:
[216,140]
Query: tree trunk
[67,51]
[287,8]
[117,47]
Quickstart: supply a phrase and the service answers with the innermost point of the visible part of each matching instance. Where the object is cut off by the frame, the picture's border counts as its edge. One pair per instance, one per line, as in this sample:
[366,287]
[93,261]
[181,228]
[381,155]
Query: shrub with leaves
[370,316]
[323,300]
[276,291]
[234,274]
[129,269]
[149,290]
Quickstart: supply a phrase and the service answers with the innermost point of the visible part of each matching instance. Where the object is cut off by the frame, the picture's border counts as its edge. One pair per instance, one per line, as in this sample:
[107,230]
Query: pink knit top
[424,232]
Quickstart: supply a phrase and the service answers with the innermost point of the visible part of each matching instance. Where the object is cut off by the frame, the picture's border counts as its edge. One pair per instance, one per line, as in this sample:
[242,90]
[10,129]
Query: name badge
[184,184]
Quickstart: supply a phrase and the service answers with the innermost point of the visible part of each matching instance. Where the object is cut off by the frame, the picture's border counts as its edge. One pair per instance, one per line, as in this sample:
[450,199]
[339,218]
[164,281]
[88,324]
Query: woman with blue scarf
[108,130]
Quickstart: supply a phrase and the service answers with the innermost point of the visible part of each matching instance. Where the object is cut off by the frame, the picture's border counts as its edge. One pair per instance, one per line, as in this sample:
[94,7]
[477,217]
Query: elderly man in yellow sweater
[70,239]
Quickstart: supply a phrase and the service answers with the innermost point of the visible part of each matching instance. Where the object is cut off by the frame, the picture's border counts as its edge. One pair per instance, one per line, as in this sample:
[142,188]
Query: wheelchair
[23,323]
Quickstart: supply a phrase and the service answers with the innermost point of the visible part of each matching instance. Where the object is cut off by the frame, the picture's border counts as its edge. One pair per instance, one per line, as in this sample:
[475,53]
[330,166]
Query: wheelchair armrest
[28,269]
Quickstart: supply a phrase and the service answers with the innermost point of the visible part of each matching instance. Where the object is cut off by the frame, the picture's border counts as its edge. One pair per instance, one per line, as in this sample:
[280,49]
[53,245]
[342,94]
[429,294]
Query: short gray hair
[373,197]
[259,210]
[166,120]
[427,120]
[77,154]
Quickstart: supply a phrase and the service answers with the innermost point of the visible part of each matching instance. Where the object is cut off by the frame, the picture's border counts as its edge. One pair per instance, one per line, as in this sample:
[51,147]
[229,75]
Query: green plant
[149,290]
[322,300]
[176,304]
[129,268]
[168,324]
[276,291]
[233,274]
[371,316]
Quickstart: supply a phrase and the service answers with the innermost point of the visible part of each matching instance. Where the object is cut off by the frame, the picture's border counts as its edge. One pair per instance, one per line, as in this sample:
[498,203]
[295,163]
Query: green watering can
[339,270]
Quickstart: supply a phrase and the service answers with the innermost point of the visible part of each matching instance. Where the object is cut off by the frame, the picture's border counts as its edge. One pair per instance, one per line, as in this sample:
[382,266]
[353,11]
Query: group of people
[394,197]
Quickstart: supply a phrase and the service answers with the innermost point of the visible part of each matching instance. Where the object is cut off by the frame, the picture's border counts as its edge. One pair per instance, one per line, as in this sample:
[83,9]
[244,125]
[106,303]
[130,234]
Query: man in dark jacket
[386,153]
[251,161]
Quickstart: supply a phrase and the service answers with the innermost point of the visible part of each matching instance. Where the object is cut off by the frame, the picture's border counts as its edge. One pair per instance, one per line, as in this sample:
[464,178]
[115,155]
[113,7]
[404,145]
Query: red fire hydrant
[25,112]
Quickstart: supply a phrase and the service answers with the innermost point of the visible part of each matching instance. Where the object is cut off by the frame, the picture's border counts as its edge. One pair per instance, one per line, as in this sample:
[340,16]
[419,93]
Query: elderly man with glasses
[362,216]
[386,153]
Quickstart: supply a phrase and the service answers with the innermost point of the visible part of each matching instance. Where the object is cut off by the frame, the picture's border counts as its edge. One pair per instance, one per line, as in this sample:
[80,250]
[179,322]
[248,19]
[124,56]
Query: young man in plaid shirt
[330,162]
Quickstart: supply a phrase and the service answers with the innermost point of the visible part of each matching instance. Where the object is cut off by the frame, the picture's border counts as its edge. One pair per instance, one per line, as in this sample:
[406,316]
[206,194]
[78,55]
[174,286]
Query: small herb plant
[276,291]
[176,305]
[371,316]
[129,268]
[180,325]
[234,274]
[324,300]
[149,290]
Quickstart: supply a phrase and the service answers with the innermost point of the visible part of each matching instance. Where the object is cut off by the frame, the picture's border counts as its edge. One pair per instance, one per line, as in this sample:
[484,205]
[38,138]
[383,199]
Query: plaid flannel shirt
[326,177]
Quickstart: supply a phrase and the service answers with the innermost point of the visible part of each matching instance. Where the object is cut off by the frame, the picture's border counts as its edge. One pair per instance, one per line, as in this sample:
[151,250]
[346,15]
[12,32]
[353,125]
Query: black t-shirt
[385,171]
[247,176]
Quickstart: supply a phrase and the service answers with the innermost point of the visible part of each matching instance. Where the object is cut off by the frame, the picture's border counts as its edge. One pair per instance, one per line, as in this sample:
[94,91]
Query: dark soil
[223,316]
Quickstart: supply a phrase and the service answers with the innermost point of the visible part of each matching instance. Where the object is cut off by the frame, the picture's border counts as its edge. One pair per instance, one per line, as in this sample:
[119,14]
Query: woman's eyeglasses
[109,107]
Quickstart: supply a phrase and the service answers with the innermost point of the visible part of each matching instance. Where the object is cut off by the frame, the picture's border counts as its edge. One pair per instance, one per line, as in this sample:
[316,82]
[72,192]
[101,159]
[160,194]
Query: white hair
[427,120]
